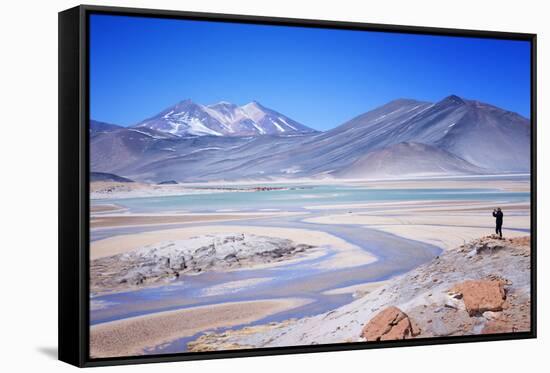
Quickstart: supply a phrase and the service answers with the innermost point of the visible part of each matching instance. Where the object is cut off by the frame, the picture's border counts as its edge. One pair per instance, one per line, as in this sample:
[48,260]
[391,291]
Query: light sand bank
[443,224]
[135,220]
[347,255]
[104,190]
[132,336]
[434,205]
[131,220]
[445,237]
[504,182]
[518,185]
[105,208]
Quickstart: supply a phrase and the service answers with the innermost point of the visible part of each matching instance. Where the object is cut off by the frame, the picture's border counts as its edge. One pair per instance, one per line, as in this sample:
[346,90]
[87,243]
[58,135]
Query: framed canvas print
[238,186]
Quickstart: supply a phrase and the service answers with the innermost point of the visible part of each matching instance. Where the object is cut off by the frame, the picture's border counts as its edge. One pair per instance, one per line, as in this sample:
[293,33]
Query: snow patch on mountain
[223,119]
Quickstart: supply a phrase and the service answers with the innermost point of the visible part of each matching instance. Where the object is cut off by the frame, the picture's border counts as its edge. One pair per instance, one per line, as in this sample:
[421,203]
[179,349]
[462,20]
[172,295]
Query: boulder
[481,295]
[390,324]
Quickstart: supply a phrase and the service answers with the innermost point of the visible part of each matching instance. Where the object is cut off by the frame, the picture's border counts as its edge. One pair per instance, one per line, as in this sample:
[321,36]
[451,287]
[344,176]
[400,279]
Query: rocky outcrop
[389,324]
[481,287]
[481,295]
[169,260]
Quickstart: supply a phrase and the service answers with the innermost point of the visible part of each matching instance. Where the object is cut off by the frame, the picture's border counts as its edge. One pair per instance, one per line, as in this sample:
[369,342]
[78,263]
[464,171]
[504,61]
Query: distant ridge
[104,176]
[98,127]
[454,136]
[408,159]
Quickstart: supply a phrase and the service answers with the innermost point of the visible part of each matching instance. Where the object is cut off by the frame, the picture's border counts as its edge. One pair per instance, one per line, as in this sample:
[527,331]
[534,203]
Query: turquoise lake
[296,197]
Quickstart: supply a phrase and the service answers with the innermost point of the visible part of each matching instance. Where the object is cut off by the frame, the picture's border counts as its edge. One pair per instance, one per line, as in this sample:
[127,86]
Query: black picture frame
[74,183]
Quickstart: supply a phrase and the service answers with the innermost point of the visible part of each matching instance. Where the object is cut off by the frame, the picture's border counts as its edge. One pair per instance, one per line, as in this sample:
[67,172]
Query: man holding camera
[497,213]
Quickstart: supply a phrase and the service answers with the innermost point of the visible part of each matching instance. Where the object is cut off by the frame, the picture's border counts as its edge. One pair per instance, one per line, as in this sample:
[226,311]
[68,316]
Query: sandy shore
[346,254]
[139,220]
[105,190]
[105,208]
[119,190]
[432,205]
[443,224]
[504,182]
[517,185]
[134,335]
[445,237]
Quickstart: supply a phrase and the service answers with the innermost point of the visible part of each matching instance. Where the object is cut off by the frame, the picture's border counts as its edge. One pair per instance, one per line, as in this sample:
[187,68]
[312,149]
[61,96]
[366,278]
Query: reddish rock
[514,318]
[481,295]
[390,324]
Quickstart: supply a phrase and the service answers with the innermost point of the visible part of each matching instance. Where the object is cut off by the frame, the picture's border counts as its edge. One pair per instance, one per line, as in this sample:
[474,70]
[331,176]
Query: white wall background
[28,169]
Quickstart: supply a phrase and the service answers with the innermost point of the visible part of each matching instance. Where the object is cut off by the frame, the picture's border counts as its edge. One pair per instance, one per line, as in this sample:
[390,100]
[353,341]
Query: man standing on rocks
[499,216]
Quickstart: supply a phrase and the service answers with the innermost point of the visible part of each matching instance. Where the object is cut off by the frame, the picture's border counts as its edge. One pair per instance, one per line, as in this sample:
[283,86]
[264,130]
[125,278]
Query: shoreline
[104,191]
[105,208]
[108,221]
[132,336]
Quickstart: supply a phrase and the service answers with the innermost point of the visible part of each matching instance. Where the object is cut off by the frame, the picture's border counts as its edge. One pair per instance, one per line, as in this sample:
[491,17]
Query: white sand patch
[98,304]
[445,225]
[445,237]
[234,286]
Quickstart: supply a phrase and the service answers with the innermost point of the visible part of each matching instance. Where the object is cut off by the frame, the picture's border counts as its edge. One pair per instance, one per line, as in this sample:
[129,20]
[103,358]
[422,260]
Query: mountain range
[403,138]
[188,118]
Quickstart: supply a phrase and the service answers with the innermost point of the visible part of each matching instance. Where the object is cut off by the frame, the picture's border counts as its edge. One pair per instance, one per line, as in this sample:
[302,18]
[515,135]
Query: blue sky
[321,78]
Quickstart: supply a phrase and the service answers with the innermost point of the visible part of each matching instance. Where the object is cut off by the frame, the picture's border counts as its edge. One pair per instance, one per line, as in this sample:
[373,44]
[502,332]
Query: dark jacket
[499,215]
